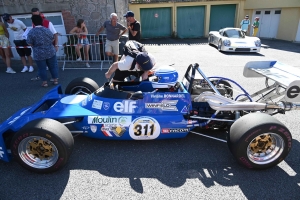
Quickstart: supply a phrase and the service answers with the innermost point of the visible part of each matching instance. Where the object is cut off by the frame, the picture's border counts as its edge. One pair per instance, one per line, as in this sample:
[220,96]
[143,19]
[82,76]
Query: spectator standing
[49,25]
[41,39]
[133,26]
[245,24]
[5,51]
[255,26]
[18,28]
[81,31]
[113,29]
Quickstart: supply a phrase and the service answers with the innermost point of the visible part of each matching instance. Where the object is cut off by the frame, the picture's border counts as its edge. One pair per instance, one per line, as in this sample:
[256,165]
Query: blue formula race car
[40,137]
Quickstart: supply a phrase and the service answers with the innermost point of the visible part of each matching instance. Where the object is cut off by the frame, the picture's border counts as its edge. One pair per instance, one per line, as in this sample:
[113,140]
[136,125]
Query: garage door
[298,33]
[190,21]
[269,22]
[156,22]
[222,16]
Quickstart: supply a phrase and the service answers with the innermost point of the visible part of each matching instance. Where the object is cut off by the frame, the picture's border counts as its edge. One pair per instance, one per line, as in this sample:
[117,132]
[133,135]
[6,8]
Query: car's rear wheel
[42,146]
[81,85]
[209,40]
[220,45]
[259,141]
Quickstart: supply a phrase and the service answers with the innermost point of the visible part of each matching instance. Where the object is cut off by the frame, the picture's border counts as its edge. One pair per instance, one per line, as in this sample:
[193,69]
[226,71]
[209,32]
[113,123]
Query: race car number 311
[144,128]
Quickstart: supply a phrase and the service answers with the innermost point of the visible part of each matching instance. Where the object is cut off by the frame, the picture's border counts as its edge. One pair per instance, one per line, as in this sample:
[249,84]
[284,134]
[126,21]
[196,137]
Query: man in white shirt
[139,66]
[18,28]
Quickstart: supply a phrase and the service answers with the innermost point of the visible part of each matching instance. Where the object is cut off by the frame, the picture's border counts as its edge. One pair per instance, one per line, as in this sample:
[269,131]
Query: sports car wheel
[220,45]
[42,146]
[209,40]
[259,141]
[81,85]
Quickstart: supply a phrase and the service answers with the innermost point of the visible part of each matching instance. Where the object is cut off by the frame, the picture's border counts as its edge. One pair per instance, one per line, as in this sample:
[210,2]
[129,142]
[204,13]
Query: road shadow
[173,163]
[281,45]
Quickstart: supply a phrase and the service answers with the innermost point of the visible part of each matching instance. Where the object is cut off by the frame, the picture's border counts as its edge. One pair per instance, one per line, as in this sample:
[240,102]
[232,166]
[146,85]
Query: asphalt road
[190,168]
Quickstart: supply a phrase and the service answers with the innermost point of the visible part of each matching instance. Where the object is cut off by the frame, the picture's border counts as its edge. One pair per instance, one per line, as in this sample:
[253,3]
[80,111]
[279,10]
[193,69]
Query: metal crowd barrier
[96,51]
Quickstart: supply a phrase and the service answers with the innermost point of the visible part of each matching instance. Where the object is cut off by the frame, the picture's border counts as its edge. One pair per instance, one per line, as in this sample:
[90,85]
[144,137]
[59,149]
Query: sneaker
[47,68]
[31,69]
[79,59]
[10,71]
[87,65]
[25,69]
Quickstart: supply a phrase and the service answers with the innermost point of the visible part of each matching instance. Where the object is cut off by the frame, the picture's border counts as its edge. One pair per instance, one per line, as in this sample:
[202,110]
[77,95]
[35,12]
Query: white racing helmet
[164,77]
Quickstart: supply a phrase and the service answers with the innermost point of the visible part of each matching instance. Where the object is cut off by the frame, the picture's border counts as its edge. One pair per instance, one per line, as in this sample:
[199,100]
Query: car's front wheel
[220,45]
[259,141]
[81,85]
[42,145]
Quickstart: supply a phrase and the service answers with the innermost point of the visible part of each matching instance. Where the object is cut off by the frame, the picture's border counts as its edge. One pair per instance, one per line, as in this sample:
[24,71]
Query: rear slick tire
[259,141]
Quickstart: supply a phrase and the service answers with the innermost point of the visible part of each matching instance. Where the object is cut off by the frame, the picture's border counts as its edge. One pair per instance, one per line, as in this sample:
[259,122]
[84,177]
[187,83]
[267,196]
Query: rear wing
[284,75]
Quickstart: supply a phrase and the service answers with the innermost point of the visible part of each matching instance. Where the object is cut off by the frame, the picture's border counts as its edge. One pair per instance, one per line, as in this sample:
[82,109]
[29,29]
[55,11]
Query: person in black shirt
[134,27]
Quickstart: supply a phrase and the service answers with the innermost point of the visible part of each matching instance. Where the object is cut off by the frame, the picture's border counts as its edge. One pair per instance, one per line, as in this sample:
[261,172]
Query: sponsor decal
[90,97]
[174,96]
[175,130]
[118,131]
[144,128]
[112,120]
[125,106]
[106,105]
[93,128]
[156,96]
[1,152]
[105,131]
[165,105]
[16,118]
[97,104]
[85,127]
[293,92]
[184,110]
[84,102]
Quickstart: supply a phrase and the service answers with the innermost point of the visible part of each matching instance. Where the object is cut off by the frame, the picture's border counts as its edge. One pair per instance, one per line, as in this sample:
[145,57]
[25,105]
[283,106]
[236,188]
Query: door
[269,22]
[156,22]
[222,16]
[55,18]
[298,33]
[190,21]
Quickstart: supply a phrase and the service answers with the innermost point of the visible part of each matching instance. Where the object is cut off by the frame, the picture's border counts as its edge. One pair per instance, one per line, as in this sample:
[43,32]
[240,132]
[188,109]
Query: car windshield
[233,33]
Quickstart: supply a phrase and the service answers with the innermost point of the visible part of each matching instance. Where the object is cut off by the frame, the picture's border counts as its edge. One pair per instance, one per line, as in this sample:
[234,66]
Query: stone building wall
[94,12]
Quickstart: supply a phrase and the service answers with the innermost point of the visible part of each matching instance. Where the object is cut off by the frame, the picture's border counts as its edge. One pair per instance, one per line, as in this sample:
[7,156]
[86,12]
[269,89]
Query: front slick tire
[259,141]
[42,146]
[81,85]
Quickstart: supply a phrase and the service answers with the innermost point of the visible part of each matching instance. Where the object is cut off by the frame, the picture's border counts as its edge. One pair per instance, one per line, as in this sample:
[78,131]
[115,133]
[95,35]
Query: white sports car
[233,40]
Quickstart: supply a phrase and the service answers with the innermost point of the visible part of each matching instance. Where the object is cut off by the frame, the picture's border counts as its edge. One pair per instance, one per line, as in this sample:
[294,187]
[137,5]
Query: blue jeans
[52,65]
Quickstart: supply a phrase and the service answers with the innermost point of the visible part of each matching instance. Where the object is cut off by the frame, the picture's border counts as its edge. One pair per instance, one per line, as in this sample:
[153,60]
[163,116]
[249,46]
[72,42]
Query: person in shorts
[81,31]
[113,34]
[18,28]
[5,52]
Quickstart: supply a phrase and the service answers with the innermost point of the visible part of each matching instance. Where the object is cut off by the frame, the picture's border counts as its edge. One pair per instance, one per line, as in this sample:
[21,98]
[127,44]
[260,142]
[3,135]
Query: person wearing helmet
[127,66]
[255,26]
[245,24]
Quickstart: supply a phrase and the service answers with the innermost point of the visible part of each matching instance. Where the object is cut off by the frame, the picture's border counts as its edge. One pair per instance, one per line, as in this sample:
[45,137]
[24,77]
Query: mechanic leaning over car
[127,66]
